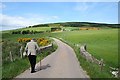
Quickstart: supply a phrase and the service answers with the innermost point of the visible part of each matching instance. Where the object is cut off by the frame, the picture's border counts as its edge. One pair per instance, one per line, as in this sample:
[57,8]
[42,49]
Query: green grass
[14,37]
[38,28]
[70,28]
[0,55]
[12,69]
[92,69]
[0,65]
[100,43]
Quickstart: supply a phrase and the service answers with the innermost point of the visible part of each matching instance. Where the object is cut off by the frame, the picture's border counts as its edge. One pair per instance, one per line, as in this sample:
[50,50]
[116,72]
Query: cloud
[14,22]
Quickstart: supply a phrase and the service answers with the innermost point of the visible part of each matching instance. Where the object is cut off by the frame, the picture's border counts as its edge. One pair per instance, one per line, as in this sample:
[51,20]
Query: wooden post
[11,58]
[52,46]
[85,46]
[21,49]
[101,64]
[40,65]
[118,72]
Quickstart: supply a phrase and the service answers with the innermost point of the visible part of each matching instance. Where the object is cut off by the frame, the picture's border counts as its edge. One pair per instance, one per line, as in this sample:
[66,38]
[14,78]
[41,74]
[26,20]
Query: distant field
[70,28]
[100,43]
[37,28]
[48,28]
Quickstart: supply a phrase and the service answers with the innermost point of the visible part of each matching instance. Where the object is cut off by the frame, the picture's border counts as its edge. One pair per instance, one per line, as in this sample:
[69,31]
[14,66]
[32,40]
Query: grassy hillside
[37,28]
[47,27]
[18,65]
[101,43]
[77,24]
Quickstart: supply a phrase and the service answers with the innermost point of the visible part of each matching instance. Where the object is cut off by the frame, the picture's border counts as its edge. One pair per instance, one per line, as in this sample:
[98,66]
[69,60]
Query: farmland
[37,28]
[102,43]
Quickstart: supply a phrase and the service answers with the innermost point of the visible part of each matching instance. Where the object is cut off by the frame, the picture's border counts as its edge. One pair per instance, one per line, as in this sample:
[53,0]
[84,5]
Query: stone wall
[46,47]
[89,57]
[115,72]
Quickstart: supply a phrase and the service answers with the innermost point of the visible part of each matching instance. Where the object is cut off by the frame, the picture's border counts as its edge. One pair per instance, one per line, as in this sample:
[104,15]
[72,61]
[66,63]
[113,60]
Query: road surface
[62,63]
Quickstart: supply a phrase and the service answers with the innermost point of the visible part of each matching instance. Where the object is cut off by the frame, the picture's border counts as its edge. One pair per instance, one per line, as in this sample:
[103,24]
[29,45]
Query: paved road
[60,64]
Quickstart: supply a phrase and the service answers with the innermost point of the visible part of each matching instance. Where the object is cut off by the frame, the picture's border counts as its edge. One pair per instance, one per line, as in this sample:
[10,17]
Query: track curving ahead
[62,63]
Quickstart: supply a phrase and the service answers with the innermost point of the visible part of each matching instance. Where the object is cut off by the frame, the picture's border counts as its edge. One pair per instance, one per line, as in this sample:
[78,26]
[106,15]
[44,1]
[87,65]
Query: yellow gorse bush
[24,39]
[40,41]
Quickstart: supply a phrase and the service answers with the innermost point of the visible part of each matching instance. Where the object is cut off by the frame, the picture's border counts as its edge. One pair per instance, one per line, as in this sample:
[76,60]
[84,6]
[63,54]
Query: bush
[8,46]
[12,69]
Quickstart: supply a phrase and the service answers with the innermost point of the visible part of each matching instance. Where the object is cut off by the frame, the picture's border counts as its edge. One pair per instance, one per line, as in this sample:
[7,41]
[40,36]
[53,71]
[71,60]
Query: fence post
[52,45]
[85,46]
[11,58]
[21,49]
[118,72]
[101,64]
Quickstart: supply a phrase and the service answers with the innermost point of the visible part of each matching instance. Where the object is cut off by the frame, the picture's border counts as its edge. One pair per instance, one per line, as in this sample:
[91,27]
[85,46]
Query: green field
[38,28]
[47,28]
[101,43]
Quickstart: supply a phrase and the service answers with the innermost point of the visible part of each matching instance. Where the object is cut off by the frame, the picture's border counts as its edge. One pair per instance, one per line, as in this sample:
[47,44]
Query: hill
[66,26]
[77,24]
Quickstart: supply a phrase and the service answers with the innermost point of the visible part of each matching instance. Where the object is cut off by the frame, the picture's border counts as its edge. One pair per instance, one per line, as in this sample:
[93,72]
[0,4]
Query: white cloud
[14,22]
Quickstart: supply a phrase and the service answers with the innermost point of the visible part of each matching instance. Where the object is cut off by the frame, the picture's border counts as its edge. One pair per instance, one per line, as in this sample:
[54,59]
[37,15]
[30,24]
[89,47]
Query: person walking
[31,49]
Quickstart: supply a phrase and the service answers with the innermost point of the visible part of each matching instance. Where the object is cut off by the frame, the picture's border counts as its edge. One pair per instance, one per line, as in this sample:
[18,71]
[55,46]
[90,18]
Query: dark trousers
[32,59]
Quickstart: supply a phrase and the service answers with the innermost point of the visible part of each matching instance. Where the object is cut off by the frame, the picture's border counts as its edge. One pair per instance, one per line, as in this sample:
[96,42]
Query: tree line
[79,24]
[26,32]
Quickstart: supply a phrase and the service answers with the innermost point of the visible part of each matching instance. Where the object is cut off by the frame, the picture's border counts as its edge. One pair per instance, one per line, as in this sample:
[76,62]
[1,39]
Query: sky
[22,14]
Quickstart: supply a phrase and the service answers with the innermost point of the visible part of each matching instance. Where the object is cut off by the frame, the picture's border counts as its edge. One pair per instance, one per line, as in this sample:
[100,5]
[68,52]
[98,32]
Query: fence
[90,58]
[22,50]
[46,47]
[12,58]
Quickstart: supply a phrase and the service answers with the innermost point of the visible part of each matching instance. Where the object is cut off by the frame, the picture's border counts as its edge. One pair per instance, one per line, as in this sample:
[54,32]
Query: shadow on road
[43,67]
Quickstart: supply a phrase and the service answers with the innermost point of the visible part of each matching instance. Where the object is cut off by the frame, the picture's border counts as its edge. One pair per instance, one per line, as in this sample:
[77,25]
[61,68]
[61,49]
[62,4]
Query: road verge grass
[92,69]
[12,69]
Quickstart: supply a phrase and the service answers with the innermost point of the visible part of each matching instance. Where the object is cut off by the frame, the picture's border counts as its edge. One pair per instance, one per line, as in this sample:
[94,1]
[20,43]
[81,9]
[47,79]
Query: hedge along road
[62,63]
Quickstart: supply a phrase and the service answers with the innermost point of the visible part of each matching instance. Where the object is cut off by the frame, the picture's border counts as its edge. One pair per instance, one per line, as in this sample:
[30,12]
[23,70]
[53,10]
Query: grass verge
[92,69]
[12,69]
